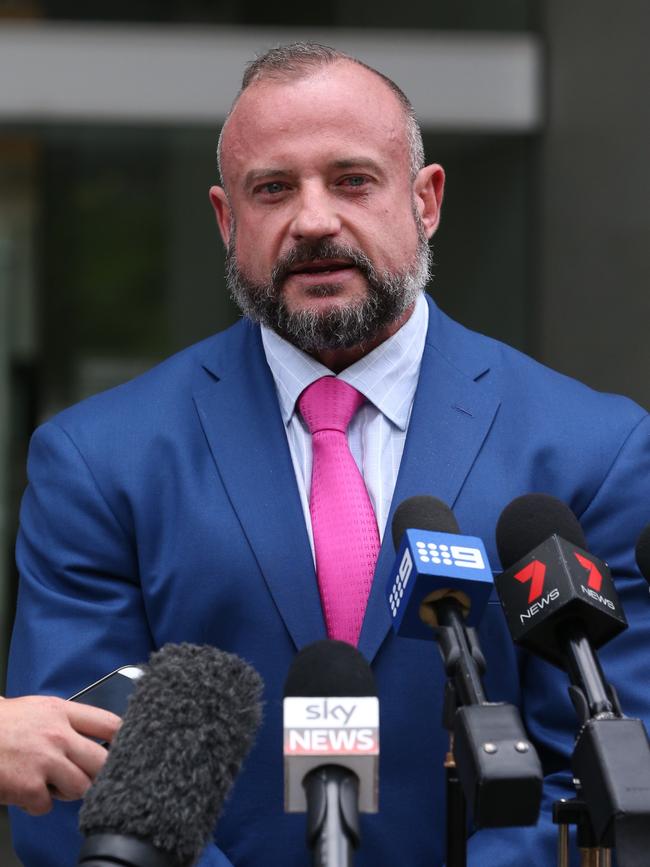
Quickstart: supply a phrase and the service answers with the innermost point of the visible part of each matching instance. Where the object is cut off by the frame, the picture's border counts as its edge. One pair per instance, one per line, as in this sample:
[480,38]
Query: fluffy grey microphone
[190,722]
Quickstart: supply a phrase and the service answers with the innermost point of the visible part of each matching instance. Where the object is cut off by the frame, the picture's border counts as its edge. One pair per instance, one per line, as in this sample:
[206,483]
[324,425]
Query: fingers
[67,765]
[83,758]
[46,751]
[67,781]
[35,800]
[87,755]
[92,721]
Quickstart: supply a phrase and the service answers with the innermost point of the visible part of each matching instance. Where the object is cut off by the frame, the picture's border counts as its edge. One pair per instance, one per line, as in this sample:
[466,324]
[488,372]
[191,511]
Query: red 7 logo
[534,573]
[595,579]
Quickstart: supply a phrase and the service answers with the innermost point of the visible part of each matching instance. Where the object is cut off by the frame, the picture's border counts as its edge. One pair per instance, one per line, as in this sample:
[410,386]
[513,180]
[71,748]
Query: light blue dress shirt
[387,377]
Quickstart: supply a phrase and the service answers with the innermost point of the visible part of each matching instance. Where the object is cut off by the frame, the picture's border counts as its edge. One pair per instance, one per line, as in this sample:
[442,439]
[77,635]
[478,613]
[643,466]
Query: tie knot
[329,404]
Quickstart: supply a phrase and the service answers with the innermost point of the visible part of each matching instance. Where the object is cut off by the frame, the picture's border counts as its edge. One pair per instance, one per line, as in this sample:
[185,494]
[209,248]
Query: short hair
[299,59]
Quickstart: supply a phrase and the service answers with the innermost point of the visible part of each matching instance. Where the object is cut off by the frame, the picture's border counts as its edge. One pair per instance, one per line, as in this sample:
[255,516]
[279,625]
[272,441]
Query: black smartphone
[112,691]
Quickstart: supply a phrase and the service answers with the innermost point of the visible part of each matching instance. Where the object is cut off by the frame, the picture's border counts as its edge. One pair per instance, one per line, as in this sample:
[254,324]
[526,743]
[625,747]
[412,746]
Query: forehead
[325,113]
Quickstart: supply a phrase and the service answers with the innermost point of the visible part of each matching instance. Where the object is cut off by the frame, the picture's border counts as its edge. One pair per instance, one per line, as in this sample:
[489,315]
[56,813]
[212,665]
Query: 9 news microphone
[560,603]
[436,571]
[440,586]
[188,726]
[331,747]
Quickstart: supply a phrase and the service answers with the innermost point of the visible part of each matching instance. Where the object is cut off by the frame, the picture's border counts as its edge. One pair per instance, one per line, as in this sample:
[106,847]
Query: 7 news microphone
[561,604]
[190,721]
[331,747]
[438,590]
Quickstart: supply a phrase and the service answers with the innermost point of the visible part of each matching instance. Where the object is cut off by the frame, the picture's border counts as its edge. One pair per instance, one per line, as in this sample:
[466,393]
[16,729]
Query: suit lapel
[452,414]
[239,412]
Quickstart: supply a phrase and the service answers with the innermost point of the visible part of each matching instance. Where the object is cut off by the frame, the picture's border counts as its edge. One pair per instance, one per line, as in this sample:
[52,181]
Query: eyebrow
[358,163]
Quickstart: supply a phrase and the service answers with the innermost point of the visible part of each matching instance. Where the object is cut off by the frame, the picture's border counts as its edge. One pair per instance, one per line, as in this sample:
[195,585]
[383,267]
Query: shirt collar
[387,376]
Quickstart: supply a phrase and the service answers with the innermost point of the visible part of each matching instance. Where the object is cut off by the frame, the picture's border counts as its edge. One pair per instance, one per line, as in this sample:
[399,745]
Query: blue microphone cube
[427,566]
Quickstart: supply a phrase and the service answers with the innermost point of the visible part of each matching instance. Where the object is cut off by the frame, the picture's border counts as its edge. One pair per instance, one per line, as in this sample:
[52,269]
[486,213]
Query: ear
[428,189]
[222,212]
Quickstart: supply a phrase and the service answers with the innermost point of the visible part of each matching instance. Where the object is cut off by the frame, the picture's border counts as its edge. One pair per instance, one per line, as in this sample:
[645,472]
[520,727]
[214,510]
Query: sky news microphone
[438,590]
[189,724]
[331,747]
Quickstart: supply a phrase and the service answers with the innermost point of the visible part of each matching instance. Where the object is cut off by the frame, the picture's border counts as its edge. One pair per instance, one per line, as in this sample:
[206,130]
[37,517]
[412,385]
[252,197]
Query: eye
[355,181]
[270,188]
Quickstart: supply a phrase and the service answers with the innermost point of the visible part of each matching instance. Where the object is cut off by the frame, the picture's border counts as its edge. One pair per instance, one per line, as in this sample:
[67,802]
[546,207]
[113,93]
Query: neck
[337,360]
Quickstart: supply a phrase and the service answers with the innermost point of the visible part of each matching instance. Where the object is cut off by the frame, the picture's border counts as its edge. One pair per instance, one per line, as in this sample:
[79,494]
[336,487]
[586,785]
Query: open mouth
[321,266]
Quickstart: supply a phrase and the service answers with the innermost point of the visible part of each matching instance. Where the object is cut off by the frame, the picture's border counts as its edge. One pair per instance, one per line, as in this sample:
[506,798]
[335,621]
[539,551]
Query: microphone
[331,747]
[434,564]
[560,603]
[189,724]
[559,600]
[440,586]
[642,553]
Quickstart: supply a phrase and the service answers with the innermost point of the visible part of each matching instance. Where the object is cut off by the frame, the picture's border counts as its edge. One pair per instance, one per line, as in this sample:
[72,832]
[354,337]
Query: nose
[316,215]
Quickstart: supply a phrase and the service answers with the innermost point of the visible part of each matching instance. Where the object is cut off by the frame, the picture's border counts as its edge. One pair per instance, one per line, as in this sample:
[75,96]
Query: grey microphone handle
[106,849]
[332,815]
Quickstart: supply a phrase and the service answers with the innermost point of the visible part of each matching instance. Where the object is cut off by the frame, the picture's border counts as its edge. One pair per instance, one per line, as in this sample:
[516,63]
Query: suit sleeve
[80,610]
[612,522]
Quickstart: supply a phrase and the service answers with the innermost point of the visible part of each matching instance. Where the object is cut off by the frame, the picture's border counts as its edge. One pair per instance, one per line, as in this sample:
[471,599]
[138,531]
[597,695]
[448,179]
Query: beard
[388,295]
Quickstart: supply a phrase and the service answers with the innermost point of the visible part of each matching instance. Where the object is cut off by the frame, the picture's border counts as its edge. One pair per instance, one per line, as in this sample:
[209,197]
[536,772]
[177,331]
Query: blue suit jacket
[166,510]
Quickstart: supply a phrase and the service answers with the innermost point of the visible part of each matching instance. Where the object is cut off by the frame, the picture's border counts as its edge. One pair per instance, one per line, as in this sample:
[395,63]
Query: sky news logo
[331,726]
[331,742]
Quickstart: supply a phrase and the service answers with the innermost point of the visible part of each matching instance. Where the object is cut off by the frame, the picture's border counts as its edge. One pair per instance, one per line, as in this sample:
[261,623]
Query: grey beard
[389,295]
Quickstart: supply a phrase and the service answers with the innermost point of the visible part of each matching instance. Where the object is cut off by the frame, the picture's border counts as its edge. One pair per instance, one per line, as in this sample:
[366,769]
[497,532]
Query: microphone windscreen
[530,520]
[329,668]
[643,553]
[188,726]
[422,513]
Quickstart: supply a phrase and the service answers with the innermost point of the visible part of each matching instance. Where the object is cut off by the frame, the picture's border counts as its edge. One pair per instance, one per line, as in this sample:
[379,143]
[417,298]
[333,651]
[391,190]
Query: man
[46,751]
[181,507]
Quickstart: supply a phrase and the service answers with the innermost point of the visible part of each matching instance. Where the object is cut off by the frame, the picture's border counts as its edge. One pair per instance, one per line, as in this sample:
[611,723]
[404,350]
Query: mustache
[309,251]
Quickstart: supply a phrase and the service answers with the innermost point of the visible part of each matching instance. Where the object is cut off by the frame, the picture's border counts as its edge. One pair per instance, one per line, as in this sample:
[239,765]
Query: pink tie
[346,539]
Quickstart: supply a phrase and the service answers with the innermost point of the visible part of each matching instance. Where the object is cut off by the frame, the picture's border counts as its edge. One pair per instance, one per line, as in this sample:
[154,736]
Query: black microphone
[642,553]
[331,747]
[438,590]
[560,603]
[559,600]
[189,724]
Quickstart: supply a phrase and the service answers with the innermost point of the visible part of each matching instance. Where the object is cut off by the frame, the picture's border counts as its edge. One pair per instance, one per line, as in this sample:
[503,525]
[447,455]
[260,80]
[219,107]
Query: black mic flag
[551,581]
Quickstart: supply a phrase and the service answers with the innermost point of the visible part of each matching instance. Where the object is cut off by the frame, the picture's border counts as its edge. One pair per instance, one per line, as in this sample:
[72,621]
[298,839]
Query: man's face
[326,231]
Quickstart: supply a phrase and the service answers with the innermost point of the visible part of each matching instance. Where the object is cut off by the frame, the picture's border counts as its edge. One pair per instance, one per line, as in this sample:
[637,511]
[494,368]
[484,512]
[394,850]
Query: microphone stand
[611,764]
[456,825]
[464,665]
[592,853]
[498,777]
